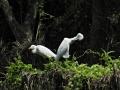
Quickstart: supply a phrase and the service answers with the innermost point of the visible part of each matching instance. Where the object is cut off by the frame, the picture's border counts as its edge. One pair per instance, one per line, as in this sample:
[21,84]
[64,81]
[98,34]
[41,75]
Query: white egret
[63,50]
[42,51]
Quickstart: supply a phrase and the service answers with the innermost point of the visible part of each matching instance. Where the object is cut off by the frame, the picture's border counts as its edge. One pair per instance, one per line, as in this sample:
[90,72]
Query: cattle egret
[63,50]
[42,51]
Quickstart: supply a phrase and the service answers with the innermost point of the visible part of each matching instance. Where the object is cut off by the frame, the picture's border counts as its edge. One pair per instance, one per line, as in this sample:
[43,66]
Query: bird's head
[31,47]
[80,36]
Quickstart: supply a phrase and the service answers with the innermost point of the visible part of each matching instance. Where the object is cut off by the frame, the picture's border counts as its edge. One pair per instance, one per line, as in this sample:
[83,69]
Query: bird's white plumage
[79,37]
[42,51]
[63,49]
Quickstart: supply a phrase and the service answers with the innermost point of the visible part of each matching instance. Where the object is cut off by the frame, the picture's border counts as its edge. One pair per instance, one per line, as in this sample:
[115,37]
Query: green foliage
[106,57]
[72,73]
[14,71]
[75,73]
[43,15]
[109,60]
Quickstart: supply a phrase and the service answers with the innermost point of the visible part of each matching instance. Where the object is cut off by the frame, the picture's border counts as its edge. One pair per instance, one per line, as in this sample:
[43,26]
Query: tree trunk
[94,33]
[23,32]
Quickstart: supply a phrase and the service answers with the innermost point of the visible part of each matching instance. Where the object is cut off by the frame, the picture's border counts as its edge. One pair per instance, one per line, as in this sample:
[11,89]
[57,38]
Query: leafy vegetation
[76,73]
[14,71]
[73,73]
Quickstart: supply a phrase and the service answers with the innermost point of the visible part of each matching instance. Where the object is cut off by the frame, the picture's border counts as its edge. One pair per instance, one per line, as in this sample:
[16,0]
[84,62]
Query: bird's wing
[62,49]
[49,53]
[60,52]
[66,55]
[46,52]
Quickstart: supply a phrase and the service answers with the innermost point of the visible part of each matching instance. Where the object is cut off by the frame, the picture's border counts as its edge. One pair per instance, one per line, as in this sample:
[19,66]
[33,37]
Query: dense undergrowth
[67,75]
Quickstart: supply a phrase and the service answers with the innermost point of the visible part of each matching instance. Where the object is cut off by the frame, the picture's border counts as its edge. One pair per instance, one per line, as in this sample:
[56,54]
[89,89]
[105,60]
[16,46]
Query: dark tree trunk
[23,32]
[94,33]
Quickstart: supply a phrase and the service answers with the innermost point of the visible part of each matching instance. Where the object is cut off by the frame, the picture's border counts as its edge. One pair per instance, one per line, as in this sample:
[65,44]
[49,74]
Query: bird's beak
[29,48]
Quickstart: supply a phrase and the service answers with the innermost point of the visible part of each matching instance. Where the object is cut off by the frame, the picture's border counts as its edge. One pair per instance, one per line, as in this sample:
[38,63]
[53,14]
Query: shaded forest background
[47,22]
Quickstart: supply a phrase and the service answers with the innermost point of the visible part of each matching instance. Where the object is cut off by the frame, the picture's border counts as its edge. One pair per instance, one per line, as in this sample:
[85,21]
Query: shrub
[68,74]
[13,75]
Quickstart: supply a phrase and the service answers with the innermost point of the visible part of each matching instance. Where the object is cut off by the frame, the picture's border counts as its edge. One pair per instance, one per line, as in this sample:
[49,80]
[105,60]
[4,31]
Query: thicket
[66,75]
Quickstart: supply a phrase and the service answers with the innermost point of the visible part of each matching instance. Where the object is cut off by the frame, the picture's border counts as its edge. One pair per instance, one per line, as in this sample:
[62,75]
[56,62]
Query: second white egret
[63,49]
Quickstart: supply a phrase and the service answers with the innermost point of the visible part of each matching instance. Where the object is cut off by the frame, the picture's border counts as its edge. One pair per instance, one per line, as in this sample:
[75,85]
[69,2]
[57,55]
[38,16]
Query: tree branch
[15,27]
[22,32]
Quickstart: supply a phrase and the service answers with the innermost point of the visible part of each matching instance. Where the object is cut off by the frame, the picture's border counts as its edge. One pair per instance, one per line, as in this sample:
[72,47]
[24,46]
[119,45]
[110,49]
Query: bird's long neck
[73,39]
